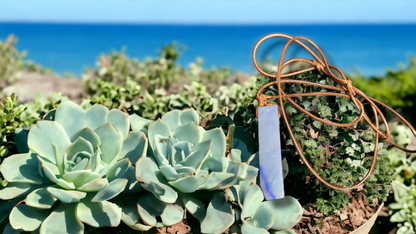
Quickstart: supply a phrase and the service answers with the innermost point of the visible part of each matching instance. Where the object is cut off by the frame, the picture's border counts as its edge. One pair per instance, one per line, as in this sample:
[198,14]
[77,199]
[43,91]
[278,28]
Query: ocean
[365,49]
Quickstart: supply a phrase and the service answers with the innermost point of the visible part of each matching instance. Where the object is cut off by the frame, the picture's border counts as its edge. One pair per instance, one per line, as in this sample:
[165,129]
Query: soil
[348,219]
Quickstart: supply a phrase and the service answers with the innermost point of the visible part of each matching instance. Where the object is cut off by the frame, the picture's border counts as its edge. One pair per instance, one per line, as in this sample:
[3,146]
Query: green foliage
[153,87]
[10,61]
[397,89]
[9,121]
[402,208]
[340,155]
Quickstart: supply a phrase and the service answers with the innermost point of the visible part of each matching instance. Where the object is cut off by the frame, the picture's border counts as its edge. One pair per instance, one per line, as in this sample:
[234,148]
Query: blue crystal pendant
[270,155]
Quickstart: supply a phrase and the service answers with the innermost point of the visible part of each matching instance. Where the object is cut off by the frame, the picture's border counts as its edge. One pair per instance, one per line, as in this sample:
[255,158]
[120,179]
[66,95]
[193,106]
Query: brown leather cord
[347,90]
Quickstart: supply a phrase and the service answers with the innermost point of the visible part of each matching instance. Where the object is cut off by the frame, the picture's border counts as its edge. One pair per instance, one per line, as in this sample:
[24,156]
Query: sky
[214,12]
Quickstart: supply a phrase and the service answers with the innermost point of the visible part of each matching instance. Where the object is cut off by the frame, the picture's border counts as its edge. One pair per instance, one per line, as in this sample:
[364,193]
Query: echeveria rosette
[183,158]
[75,165]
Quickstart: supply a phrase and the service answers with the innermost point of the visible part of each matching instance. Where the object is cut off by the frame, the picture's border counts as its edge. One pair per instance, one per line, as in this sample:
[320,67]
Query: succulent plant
[258,216]
[182,159]
[77,161]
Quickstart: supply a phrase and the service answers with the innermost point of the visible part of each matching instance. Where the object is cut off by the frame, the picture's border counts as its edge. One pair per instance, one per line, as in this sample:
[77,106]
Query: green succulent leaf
[194,206]
[158,128]
[189,184]
[198,156]
[139,123]
[112,189]
[13,190]
[94,185]
[287,212]
[150,207]
[22,168]
[189,115]
[6,207]
[48,173]
[111,142]
[219,216]
[63,213]
[80,177]
[218,141]
[40,198]
[219,180]
[99,214]
[130,215]
[134,146]
[79,145]
[252,199]
[66,196]
[89,135]
[248,229]
[21,141]
[27,218]
[187,132]
[172,118]
[120,121]
[43,134]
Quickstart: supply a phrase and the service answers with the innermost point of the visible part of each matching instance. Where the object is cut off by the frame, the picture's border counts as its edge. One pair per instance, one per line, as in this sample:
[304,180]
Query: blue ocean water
[366,49]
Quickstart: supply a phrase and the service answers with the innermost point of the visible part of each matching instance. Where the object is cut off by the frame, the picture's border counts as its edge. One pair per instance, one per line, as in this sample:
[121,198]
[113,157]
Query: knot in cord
[347,90]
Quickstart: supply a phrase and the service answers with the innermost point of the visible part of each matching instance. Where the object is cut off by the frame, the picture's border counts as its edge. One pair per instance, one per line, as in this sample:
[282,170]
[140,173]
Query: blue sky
[209,12]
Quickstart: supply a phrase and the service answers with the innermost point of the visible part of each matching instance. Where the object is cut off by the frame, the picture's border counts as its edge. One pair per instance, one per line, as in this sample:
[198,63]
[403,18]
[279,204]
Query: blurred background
[363,37]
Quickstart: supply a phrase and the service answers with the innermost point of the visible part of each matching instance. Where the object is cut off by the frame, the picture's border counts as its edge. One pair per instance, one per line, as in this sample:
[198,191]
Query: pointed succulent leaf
[40,198]
[22,168]
[189,115]
[139,123]
[95,116]
[169,172]
[219,180]
[99,214]
[66,196]
[163,150]
[62,220]
[118,170]
[189,184]
[263,217]
[73,124]
[111,142]
[252,199]
[88,135]
[112,189]
[48,173]
[247,228]
[218,141]
[120,121]
[196,158]
[13,190]
[94,185]
[187,132]
[130,215]
[146,170]
[184,148]
[60,160]
[194,206]
[80,177]
[83,164]
[172,118]
[79,145]
[219,215]
[43,134]
[287,212]
[27,218]
[161,191]
[399,217]
[235,155]
[134,146]
[150,207]
[158,128]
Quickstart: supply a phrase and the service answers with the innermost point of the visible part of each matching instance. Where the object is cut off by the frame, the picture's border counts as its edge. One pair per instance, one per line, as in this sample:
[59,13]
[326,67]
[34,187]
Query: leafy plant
[70,171]
[402,209]
[340,155]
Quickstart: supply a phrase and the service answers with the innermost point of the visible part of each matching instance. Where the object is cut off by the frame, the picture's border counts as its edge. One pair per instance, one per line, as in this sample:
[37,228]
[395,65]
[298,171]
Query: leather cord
[346,90]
